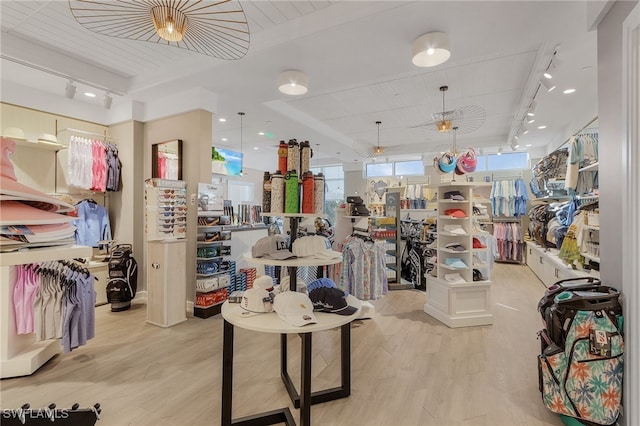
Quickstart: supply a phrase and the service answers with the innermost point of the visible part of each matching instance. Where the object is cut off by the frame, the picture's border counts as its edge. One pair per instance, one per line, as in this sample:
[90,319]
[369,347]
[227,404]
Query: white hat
[272,247]
[263,282]
[454,278]
[256,300]
[455,229]
[294,308]
[314,246]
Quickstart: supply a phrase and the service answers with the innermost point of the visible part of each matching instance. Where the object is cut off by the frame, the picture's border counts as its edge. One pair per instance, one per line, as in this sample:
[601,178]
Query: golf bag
[580,367]
[123,278]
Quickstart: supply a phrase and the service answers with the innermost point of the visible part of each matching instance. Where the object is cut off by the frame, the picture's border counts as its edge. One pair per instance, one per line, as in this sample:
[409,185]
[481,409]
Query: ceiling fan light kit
[293,82]
[219,29]
[431,49]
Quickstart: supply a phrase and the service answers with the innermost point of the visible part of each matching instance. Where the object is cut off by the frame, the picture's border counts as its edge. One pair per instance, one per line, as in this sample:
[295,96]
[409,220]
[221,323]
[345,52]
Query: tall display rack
[453,296]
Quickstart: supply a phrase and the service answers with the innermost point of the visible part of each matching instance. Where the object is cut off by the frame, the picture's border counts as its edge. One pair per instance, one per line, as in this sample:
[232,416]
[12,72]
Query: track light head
[547,84]
[70,89]
[107,100]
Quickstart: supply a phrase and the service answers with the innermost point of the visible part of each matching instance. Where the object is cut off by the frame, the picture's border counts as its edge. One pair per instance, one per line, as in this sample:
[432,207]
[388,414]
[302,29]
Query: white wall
[611,143]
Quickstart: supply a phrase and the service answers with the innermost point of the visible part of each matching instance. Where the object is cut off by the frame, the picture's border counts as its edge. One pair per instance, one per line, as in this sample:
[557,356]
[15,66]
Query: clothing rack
[85,133]
[585,127]
[494,178]
[51,415]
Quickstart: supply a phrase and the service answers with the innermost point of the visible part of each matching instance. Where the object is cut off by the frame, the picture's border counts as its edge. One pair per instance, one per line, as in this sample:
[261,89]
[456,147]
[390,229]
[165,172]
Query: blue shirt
[92,224]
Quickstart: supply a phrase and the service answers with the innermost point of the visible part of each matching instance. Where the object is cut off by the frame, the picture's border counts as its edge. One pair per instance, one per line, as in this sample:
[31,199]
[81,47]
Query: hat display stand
[453,296]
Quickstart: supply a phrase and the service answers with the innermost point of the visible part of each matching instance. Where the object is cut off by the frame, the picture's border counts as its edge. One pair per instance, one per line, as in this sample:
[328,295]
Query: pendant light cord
[378,123]
[241,114]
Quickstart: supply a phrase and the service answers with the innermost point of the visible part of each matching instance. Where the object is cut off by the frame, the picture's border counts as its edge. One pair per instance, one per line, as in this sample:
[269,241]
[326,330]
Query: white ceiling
[357,57]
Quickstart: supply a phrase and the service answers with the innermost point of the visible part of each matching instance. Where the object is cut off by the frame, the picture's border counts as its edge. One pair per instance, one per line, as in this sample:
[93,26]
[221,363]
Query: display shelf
[446,250]
[209,258]
[207,311]
[295,262]
[450,234]
[481,200]
[213,228]
[44,254]
[209,243]
[20,354]
[590,257]
[451,268]
[595,228]
[467,303]
[211,275]
[210,213]
[290,215]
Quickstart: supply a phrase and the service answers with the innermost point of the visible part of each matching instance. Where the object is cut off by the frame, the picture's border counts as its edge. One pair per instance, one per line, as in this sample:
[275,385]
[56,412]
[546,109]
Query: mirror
[166,160]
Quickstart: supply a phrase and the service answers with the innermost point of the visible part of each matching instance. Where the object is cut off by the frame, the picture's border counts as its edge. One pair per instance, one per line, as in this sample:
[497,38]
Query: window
[334,185]
[379,169]
[403,168]
[240,192]
[509,161]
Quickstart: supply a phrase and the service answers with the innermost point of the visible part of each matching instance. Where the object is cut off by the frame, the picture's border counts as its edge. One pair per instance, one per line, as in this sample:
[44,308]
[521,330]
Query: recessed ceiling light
[89,94]
[256,148]
[547,75]
[222,119]
[542,127]
[569,91]
[224,139]
[528,144]
[261,133]
[531,120]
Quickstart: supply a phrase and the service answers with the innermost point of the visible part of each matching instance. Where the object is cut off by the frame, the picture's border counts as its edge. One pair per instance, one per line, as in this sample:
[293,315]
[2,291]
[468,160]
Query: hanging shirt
[92,224]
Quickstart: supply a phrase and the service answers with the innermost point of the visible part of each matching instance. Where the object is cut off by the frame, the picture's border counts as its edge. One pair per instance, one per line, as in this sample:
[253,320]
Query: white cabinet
[549,268]
[463,302]
[166,282]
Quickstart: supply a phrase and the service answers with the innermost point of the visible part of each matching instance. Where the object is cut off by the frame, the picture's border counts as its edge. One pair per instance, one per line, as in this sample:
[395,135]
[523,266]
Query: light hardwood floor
[407,368]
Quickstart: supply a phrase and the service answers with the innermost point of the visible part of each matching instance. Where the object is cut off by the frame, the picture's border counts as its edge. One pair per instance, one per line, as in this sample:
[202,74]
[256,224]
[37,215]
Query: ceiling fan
[466,119]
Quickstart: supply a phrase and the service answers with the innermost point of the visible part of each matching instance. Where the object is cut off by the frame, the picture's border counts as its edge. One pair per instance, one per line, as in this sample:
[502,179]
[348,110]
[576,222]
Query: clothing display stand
[20,354]
[465,302]
[270,323]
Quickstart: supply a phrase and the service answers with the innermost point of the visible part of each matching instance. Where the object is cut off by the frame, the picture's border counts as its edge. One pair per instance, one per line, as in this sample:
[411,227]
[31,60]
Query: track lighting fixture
[107,100]
[531,111]
[70,89]
[500,150]
[548,85]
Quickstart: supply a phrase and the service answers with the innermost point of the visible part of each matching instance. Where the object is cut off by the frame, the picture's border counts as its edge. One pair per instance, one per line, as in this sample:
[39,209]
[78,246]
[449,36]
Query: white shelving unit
[20,354]
[465,303]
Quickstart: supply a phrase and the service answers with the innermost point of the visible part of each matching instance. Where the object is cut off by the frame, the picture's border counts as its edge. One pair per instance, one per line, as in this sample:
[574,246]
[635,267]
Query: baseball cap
[272,247]
[294,308]
[455,247]
[256,300]
[455,213]
[455,262]
[477,243]
[321,282]
[454,278]
[455,229]
[453,195]
[315,246]
[264,282]
[332,300]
